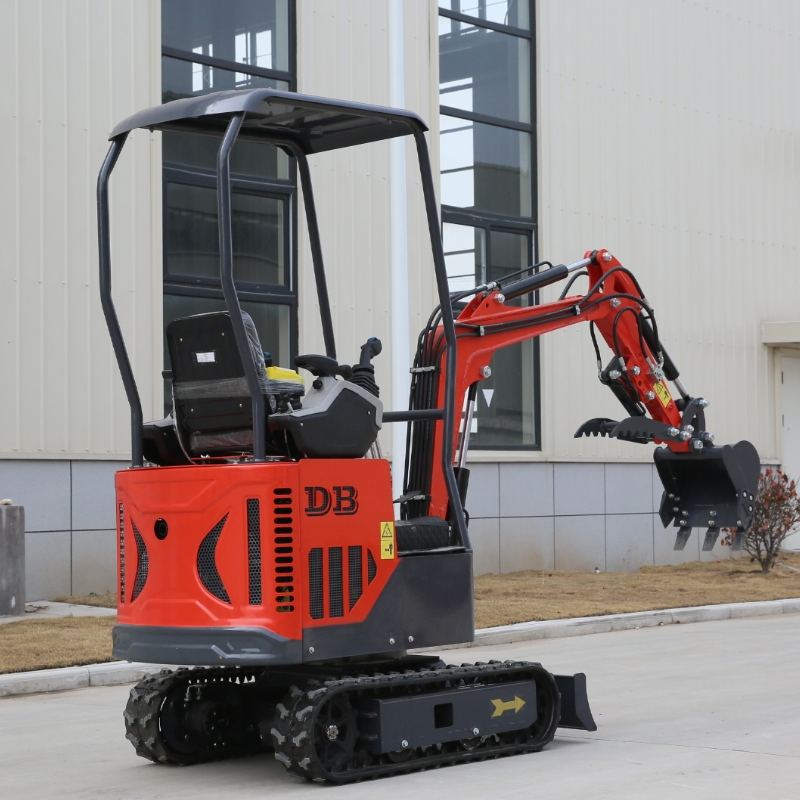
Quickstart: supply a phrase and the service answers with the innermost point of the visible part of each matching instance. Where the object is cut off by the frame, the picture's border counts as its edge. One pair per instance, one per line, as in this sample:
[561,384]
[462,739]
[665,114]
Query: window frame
[285,190]
[489,221]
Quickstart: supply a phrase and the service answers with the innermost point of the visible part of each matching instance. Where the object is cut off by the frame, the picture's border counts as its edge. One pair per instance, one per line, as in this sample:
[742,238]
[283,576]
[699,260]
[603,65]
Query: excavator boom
[704,485]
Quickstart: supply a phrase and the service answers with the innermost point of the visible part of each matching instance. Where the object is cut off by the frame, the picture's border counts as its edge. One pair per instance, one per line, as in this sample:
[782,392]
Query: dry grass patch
[105,600]
[535,595]
[60,642]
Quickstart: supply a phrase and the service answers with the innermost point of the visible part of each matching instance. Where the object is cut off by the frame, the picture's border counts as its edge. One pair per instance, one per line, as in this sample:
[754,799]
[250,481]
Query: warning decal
[663,394]
[387,540]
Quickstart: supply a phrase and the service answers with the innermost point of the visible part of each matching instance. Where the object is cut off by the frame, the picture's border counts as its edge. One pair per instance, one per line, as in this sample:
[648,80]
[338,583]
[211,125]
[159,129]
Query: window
[209,46]
[488,187]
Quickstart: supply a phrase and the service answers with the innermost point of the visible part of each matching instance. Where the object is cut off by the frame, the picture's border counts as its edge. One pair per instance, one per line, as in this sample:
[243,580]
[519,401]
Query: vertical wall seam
[71,533]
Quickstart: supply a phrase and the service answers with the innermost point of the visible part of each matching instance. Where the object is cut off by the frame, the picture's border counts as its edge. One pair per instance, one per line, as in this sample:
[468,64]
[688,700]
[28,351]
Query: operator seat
[213,410]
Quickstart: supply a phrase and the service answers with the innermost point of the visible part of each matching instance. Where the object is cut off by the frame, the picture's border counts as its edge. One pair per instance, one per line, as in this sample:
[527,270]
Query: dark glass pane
[192,239]
[504,12]
[188,78]
[487,72]
[485,167]
[464,255]
[504,412]
[249,158]
[272,321]
[250,32]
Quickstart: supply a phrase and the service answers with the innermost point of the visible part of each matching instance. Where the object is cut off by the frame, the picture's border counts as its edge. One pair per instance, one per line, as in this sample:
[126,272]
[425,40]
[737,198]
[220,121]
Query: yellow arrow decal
[501,706]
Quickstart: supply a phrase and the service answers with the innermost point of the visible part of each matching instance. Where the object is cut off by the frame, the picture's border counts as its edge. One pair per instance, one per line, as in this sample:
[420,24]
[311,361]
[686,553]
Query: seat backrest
[208,381]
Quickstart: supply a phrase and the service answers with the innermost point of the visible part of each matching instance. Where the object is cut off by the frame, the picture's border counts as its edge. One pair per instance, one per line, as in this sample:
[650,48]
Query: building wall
[667,134]
[664,133]
[342,52]
[72,71]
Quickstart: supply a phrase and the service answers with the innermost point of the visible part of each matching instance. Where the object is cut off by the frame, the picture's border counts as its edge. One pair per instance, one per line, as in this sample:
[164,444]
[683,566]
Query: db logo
[341,500]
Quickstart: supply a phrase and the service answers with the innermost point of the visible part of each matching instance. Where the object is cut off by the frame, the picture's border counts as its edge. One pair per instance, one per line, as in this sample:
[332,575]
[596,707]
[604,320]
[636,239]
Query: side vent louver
[254,551]
[283,527]
[335,587]
[354,574]
[121,550]
[142,563]
[315,582]
[372,567]
[207,565]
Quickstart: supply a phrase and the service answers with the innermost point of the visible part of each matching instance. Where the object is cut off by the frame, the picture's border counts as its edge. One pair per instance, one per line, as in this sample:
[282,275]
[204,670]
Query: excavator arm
[704,485]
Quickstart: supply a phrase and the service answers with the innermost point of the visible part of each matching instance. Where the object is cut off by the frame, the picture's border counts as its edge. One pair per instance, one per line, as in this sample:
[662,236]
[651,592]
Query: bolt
[749,508]
[332,732]
[703,403]
[391,640]
[697,444]
[614,374]
[411,640]
[689,428]
[651,395]
[711,523]
[676,509]
[685,435]
[709,437]
[404,743]
[475,731]
[615,302]
[607,256]
[501,298]
[672,432]
[486,371]
[671,495]
[739,523]
[311,651]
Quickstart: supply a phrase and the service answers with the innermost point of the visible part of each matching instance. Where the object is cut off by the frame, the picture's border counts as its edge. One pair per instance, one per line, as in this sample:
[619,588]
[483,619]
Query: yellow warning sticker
[388,548]
[663,394]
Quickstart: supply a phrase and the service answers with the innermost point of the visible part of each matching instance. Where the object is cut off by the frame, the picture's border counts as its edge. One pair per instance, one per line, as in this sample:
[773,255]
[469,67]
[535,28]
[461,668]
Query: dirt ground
[45,643]
[499,600]
[536,595]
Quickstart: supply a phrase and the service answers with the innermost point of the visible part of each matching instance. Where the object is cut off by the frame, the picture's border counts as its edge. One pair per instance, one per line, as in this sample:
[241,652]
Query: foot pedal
[712,534]
[681,538]
[598,426]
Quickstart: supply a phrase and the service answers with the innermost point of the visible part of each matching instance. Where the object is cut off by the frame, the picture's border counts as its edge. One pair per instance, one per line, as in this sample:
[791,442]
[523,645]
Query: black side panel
[427,602]
[203,646]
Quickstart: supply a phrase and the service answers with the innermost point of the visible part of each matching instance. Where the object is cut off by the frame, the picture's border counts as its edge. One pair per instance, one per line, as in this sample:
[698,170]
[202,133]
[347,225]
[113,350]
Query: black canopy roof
[314,124]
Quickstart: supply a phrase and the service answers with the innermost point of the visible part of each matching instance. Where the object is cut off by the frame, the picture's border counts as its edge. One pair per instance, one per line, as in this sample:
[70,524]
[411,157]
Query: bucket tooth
[597,426]
[712,534]
[738,540]
[681,538]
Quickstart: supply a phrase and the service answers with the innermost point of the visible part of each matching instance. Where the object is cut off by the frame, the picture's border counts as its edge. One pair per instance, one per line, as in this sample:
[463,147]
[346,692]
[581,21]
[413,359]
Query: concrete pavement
[708,710]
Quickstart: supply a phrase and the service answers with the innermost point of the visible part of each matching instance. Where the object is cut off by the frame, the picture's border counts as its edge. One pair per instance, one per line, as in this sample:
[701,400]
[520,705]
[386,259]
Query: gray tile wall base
[69,523]
[485,537]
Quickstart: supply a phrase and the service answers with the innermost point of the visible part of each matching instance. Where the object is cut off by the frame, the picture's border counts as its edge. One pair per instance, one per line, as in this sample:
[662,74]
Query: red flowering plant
[776,514]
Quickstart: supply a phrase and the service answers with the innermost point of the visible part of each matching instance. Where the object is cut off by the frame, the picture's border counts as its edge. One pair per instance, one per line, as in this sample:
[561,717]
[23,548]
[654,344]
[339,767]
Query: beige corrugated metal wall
[669,132]
[344,52]
[70,71]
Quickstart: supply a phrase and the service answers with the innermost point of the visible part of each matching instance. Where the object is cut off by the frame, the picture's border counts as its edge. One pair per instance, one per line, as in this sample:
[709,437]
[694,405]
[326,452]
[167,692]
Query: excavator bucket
[714,488]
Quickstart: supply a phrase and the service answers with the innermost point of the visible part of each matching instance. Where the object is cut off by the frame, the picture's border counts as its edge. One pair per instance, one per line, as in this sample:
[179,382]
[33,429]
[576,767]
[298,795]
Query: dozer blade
[713,488]
[575,711]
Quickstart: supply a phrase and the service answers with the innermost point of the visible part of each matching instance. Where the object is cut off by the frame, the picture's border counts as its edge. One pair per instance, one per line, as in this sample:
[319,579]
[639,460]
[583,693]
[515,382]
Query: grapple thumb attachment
[711,488]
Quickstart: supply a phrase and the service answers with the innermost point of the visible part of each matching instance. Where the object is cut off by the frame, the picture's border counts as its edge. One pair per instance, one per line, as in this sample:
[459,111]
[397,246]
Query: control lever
[364,372]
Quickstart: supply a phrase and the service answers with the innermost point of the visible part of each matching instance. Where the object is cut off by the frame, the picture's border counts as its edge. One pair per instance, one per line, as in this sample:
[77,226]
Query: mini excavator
[258,543]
